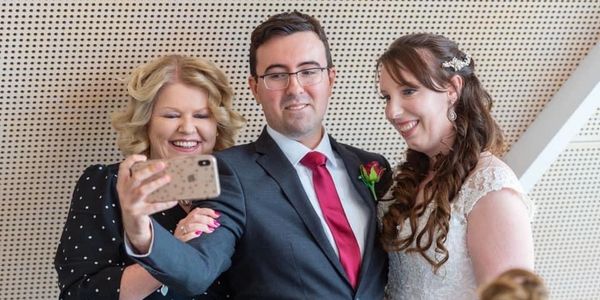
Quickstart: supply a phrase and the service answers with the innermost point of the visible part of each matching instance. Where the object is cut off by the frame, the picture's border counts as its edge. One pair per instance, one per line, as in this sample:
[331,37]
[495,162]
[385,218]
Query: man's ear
[331,74]
[253,85]
[455,88]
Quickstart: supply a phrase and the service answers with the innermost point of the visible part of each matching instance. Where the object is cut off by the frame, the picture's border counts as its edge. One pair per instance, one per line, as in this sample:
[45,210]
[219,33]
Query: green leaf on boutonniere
[370,174]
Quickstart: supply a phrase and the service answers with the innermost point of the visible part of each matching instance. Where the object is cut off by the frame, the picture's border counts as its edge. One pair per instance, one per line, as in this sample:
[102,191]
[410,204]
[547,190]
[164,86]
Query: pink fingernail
[216,223]
[218,214]
[198,232]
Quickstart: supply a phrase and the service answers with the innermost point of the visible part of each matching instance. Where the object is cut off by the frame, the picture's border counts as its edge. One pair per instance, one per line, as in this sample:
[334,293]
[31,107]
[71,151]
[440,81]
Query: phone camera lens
[204,162]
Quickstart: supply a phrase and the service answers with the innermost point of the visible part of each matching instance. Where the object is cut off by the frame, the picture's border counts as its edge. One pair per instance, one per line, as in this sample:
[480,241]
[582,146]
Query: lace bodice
[412,277]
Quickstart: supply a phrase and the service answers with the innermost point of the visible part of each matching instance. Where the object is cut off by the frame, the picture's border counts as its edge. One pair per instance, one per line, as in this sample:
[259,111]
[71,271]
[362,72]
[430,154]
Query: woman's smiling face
[181,122]
[419,114]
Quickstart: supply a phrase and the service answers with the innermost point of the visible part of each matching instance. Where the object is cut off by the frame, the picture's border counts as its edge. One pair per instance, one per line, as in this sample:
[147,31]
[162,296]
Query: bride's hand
[198,221]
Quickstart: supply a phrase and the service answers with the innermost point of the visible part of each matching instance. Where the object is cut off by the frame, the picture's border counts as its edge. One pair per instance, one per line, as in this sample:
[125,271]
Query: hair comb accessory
[458,64]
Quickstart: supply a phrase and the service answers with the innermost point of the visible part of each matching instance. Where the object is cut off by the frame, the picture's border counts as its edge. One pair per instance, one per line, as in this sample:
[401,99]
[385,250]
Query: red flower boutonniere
[370,174]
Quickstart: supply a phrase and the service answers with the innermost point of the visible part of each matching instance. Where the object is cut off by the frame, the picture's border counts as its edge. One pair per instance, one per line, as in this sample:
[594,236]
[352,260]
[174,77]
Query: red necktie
[334,214]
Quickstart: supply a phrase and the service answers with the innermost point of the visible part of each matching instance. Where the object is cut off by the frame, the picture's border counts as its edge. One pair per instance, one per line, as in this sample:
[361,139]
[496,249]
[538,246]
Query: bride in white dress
[458,216]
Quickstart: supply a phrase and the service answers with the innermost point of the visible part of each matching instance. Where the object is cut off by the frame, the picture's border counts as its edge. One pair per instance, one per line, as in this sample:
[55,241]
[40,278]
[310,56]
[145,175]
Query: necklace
[185,204]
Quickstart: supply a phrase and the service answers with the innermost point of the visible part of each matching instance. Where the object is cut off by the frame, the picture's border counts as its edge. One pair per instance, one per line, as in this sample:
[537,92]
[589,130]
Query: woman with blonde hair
[458,216]
[178,106]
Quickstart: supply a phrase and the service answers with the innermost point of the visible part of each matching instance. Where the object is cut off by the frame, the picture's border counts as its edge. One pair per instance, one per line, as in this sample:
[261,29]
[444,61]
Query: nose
[294,86]
[393,110]
[186,125]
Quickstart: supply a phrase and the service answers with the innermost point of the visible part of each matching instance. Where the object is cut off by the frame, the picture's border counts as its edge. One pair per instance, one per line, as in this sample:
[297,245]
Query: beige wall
[63,63]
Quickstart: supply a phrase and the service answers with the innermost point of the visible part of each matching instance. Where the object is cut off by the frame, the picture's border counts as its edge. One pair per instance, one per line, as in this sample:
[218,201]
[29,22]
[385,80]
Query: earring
[451,114]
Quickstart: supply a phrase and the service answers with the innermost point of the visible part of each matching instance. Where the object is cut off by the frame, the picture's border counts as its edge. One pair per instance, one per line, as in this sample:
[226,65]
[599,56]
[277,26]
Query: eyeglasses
[280,81]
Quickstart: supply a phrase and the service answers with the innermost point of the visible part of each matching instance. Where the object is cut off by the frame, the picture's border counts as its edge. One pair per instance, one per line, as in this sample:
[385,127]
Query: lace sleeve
[383,206]
[489,179]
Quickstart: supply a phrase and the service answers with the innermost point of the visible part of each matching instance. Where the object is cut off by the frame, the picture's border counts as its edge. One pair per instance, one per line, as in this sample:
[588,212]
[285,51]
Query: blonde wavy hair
[145,84]
[515,284]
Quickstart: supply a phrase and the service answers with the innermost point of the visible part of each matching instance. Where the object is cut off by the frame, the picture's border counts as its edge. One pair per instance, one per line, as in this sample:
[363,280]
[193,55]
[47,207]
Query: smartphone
[192,178]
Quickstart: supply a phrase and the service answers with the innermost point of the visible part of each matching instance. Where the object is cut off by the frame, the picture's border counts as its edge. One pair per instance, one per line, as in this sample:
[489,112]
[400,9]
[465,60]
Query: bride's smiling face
[419,114]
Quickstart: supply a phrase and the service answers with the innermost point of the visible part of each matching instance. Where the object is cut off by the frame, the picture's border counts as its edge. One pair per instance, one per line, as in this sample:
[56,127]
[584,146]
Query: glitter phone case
[192,178]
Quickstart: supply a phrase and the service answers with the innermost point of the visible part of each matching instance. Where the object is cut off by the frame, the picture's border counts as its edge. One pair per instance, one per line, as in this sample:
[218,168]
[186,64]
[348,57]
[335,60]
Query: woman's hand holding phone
[133,188]
[192,178]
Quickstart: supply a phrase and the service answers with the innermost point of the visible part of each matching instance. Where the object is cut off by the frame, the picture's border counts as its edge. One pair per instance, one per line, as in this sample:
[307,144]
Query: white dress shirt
[356,210]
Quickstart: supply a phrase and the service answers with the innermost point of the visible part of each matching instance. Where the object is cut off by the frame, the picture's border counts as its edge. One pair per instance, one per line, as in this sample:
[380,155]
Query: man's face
[296,111]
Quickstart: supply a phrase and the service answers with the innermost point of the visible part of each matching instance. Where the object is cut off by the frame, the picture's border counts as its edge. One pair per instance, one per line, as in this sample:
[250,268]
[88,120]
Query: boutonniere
[370,174]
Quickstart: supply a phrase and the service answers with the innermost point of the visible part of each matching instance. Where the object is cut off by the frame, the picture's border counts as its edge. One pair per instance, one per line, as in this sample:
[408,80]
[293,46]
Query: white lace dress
[412,277]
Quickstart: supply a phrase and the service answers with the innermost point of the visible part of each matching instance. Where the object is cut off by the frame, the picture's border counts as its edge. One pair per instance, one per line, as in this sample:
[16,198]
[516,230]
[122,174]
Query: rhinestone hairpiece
[457,64]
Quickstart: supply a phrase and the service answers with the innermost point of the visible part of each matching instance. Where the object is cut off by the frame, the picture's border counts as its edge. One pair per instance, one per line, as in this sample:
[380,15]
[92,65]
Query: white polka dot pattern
[91,257]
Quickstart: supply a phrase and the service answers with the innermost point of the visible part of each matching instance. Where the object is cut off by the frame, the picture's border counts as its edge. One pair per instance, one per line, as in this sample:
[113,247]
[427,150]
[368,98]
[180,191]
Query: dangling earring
[451,114]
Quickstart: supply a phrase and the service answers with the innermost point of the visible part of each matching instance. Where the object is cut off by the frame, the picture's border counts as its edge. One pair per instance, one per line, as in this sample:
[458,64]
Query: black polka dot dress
[91,256]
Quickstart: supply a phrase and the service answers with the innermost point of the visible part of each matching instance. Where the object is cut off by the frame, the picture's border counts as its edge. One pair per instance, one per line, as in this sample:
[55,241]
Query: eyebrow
[204,109]
[302,64]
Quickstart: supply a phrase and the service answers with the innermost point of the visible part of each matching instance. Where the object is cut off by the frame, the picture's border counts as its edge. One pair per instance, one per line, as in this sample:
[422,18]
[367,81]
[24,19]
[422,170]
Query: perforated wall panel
[63,65]
[591,131]
[567,223]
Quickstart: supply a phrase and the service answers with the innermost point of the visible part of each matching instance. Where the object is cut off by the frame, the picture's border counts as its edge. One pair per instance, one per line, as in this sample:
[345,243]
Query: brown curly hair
[422,55]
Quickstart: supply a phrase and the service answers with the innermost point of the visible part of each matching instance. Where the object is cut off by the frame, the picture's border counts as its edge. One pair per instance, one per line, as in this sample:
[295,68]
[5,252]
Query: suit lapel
[276,164]
[352,163]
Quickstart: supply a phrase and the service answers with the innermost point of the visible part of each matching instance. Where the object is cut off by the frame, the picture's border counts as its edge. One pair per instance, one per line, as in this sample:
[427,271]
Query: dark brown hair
[282,25]
[422,55]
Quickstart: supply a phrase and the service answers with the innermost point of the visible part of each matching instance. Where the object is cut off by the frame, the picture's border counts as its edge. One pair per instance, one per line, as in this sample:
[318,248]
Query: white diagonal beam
[557,124]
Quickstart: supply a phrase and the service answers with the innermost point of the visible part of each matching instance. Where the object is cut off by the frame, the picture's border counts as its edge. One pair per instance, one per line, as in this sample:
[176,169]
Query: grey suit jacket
[270,241]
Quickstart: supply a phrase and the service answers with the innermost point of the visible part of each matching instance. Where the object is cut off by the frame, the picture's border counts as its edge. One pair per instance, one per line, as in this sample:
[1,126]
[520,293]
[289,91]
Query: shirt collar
[295,151]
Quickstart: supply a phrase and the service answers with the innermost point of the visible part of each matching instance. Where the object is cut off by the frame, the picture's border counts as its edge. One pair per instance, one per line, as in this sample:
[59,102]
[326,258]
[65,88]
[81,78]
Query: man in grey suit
[289,229]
